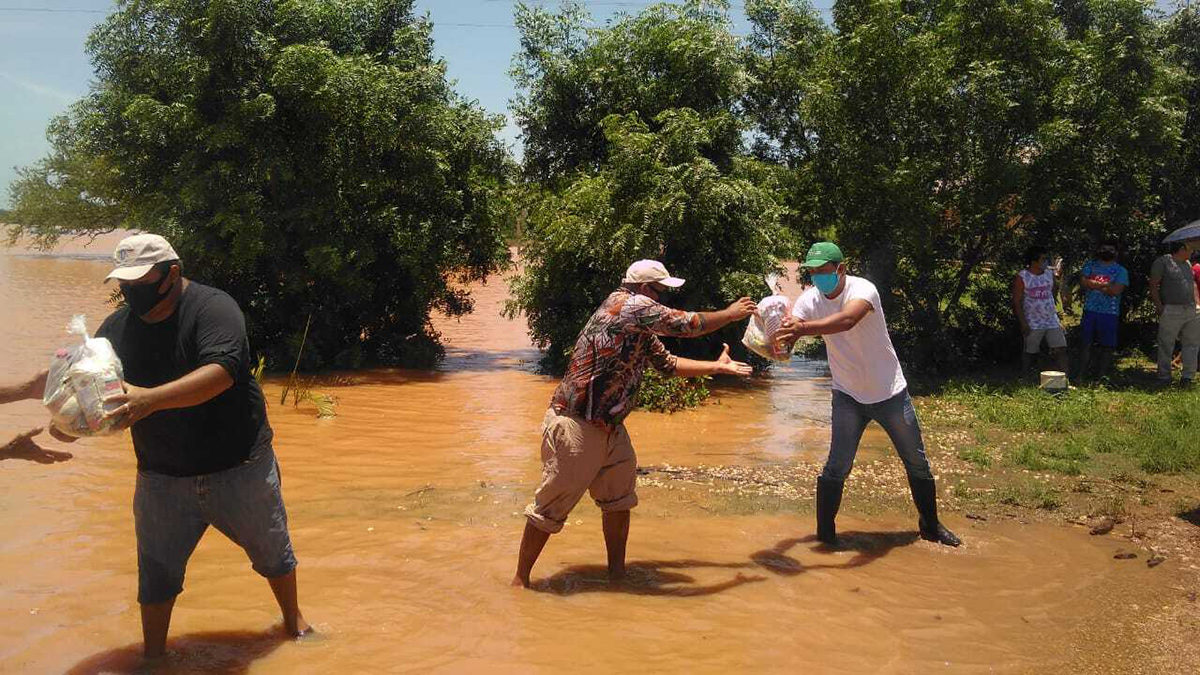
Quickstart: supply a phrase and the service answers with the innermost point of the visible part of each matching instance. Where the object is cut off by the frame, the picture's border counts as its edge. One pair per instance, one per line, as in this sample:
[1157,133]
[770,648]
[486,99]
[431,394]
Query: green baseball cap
[821,253]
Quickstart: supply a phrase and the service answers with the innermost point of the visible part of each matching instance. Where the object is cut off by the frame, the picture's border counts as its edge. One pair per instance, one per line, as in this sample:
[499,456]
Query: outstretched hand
[136,403]
[789,331]
[742,308]
[728,366]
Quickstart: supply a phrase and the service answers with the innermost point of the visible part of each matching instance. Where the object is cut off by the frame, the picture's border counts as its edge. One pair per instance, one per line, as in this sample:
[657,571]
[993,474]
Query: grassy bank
[1122,450]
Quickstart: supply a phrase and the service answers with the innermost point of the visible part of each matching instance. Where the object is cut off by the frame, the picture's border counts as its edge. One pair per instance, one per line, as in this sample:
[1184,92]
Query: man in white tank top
[1033,300]
[868,384]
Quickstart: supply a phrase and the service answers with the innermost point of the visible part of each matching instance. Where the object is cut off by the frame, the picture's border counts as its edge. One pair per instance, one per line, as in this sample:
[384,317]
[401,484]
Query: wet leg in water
[156,619]
[284,588]
[616,533]
[532,543]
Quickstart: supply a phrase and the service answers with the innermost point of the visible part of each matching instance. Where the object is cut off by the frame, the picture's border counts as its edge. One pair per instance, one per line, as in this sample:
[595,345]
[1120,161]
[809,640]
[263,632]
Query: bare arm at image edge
[33,388]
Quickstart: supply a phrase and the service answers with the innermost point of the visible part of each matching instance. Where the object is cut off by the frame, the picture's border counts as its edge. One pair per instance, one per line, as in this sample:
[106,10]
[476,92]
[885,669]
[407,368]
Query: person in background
[585,447]
[200,433]
[1104,280]
[868,384]
[1033,301]
[1175,295]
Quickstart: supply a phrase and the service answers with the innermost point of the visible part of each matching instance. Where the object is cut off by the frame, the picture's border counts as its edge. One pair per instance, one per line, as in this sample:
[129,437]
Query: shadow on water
[25,448]
[867,546]
[643,577]
[225,652]
[663,577]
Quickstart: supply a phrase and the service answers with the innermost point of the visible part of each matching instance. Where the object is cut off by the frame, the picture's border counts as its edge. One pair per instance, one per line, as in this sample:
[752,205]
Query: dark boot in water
[829,499]
[924,494]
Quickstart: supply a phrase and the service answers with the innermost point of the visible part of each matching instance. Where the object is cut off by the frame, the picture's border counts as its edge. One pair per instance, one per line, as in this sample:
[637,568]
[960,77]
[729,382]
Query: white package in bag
[81,380]
[760,331]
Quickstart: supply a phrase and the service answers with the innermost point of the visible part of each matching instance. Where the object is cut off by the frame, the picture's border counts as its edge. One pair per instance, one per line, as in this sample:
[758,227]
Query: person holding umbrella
[1176,300]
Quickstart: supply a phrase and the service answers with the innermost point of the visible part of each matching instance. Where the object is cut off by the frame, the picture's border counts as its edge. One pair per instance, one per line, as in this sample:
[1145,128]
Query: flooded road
[404,514]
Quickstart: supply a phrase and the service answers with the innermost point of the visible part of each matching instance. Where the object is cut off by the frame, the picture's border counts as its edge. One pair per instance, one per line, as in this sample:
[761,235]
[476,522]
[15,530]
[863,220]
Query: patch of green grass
[1030,494]
[976,455]
[1039,456]
[1155,428]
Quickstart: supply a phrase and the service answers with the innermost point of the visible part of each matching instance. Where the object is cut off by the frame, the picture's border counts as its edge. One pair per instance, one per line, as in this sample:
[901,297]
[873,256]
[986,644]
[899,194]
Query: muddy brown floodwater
[404,513]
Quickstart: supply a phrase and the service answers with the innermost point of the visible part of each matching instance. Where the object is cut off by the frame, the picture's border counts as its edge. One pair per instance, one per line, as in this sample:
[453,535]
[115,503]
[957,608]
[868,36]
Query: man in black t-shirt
[200,433]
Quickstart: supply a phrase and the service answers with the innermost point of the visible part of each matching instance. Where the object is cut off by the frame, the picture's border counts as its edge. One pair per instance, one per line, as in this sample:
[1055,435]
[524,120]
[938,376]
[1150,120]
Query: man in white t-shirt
[868,384]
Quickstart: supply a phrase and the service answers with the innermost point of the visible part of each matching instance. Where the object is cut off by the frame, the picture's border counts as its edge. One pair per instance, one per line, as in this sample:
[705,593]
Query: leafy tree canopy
[308,156]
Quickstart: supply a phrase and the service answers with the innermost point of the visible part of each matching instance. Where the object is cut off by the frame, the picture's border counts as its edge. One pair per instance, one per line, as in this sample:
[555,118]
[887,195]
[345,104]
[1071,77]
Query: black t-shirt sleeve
[221,335]
[106,327]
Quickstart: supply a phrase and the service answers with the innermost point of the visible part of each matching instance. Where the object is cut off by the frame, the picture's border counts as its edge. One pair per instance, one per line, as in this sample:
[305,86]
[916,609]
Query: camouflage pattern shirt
[612,352]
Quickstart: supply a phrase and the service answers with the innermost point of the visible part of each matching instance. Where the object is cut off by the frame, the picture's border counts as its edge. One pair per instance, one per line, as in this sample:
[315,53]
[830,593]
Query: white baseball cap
[650,272]
[136,255]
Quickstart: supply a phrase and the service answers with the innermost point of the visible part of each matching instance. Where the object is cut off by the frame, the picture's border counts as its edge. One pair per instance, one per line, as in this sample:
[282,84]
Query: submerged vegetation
[670,394]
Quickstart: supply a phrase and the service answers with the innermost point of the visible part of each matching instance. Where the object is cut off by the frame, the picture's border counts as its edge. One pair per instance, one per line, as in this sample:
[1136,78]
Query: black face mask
[142,298]
[1107,256]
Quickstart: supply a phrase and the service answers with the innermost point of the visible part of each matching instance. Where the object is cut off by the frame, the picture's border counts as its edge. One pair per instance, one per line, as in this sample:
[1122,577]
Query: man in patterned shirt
[585,446]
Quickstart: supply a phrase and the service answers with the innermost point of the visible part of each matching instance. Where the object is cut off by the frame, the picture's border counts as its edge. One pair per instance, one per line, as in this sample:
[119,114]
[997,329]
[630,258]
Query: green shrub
[669,394]
[976,455]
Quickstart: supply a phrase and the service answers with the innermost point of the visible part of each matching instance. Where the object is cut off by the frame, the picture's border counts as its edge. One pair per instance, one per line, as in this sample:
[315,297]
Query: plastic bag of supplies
[760,331]
[81,380]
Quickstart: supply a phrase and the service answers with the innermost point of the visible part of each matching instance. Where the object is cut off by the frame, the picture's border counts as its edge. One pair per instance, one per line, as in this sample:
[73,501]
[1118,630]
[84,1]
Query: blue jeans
[170,515]
[897,417]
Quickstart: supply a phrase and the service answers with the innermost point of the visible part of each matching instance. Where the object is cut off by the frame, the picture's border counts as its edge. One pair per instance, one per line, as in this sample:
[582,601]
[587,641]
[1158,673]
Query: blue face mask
[826,283]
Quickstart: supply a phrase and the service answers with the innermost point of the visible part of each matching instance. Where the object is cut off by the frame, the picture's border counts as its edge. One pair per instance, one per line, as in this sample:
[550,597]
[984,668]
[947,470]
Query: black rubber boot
[924,494]
[829,499]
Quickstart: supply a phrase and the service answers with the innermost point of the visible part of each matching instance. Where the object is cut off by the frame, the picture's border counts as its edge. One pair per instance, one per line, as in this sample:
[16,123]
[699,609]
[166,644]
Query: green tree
[1181,188]
[634,146]
[1112,140]
[308,156]
[570,77]
[947,136]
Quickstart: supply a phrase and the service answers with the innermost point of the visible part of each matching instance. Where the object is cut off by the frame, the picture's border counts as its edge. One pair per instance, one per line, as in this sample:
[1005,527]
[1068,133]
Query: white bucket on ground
[1054,380]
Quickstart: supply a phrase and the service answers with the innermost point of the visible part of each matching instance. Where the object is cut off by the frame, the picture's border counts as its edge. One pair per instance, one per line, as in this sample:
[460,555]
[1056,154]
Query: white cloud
[40,89]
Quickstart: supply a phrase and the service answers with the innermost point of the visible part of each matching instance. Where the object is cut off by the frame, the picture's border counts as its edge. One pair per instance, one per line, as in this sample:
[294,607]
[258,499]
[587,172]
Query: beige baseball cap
[136,255]
[650,272]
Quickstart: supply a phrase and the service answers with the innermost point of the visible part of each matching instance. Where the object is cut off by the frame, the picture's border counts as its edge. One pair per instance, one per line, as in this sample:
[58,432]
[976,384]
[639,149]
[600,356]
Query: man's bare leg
[284,588]
[532,543]
[616,533]
[156,620]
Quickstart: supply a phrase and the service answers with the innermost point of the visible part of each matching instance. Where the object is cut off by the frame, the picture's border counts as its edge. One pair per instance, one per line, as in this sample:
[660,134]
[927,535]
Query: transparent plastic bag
[760,331]
[81,380]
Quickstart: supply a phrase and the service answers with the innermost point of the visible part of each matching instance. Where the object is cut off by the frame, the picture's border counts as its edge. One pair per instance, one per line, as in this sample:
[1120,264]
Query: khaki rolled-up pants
[579,456]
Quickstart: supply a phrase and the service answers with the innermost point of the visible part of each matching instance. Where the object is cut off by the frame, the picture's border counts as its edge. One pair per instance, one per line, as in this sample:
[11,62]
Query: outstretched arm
[34,387]
[659,319]
[724,365]
[848,318]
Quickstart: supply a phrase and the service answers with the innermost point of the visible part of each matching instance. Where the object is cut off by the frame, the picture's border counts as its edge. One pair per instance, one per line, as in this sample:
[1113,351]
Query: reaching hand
[789,331]
[742,308]
[136,403]
[728,366]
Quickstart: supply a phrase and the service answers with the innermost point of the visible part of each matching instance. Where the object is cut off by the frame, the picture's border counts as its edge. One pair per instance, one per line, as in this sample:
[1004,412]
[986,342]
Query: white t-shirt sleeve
[803,308]
[863,290]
